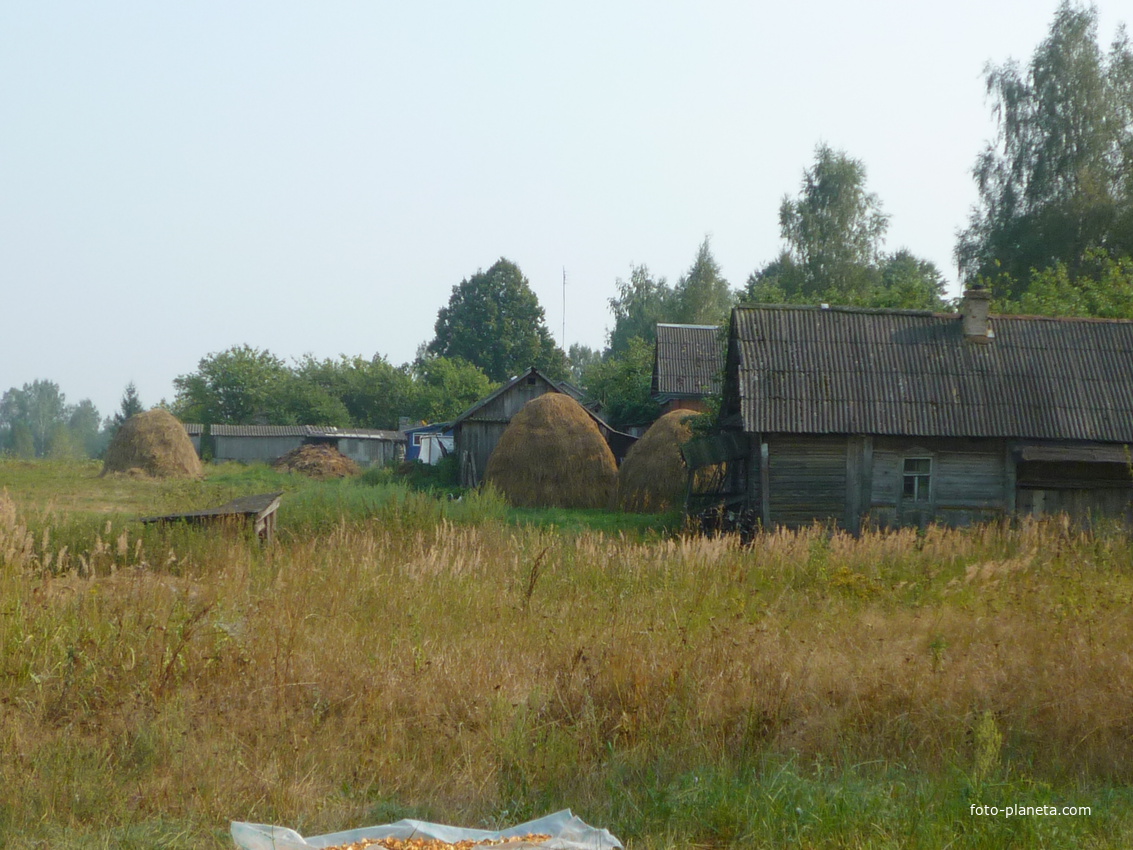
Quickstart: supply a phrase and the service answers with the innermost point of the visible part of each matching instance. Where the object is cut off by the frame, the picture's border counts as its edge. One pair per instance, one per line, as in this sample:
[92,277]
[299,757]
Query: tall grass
[395,654]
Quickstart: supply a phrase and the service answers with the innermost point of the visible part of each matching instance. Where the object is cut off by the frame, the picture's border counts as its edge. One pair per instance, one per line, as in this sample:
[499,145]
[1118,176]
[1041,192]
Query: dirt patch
[317,461]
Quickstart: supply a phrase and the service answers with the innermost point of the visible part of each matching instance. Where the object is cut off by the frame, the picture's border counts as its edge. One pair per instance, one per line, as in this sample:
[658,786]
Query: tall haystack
[155,443]
[553,455]
[653,477]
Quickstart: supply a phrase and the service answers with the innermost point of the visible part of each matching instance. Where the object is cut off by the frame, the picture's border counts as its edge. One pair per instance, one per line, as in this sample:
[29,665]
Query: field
[395,654]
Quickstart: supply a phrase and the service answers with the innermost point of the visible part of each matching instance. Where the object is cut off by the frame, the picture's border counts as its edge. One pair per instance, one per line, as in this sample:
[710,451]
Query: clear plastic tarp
[566,832]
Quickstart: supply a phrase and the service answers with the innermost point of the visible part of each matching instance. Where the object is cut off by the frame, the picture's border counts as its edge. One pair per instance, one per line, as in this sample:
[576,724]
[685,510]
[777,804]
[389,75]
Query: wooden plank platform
[257,510]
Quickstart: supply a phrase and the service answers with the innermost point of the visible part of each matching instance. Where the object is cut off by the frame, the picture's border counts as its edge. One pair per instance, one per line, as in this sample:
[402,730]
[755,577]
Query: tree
[1103,287]
[444,387]
[38,407]
[640,304]
[131,405]
[494,320]
[83,422]
[36,421]
[241,385]
[909,283]
[1058,179]
[581,358]
[834,229]
[622,384]
[834,233]
[367,393]
[702,296]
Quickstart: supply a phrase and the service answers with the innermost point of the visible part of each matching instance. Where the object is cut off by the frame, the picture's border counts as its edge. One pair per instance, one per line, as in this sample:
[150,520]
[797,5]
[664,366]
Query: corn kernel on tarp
[566,832]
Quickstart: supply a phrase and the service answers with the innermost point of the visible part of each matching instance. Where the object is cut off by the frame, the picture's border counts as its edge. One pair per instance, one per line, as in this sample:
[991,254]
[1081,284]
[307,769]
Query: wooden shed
[902,418]
[478,429]
[688,362]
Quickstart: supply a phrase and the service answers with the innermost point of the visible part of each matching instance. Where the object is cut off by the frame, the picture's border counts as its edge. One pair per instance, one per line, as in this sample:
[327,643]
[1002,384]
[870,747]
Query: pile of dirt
[653,477]
[152,443]
[553,455]
[317,461]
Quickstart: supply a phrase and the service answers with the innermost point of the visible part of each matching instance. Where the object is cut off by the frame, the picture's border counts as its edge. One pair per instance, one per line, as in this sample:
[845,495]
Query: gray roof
[688,361]
[194,430]
[811,370]
[561,386]
[314,431]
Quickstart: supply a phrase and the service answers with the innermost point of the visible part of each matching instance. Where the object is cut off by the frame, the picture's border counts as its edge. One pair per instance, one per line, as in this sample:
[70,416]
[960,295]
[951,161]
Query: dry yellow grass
[201,678]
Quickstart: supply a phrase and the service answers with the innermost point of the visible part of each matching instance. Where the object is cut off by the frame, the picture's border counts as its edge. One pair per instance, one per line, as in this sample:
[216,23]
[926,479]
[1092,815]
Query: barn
[687,364]
[478,429]
[901,418]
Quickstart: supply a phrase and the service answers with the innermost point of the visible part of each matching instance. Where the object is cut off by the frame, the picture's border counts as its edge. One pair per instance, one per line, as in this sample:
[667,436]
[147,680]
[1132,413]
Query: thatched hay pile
[317,461]
[553,455]
[153,443]
[653,477]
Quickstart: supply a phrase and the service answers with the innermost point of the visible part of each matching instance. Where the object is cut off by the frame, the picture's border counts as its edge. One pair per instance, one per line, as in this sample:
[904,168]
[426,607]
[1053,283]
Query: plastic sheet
[567,833]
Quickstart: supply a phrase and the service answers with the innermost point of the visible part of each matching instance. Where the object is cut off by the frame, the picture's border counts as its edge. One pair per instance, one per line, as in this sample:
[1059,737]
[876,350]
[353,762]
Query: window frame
[922,480]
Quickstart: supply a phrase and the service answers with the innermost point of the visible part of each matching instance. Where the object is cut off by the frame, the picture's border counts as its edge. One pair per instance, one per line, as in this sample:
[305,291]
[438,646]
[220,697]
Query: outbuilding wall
[252,449]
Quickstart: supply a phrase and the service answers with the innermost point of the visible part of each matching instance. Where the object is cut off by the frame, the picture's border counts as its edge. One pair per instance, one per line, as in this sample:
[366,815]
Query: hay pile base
[317,461]
[553,455]
[653,477]
[155,443]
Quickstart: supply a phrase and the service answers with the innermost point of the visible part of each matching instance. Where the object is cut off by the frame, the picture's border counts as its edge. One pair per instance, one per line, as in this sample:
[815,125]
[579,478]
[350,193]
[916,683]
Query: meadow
[395,654]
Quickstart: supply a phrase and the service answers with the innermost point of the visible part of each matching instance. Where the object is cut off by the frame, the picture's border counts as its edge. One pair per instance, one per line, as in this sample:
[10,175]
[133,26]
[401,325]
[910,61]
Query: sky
[315,178]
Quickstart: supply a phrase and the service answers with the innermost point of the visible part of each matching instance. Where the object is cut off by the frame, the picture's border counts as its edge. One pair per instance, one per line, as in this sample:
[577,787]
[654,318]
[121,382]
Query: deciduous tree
[494,320]
[702,295]
[640,304]
[1057,181]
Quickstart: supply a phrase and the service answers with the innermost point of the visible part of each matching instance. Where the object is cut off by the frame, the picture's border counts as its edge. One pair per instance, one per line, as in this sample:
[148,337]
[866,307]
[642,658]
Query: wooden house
[902,418]
[687,364]
[478,429]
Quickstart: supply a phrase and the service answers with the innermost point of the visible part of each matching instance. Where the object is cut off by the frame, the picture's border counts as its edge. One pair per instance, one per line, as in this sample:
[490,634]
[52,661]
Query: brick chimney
[974,308]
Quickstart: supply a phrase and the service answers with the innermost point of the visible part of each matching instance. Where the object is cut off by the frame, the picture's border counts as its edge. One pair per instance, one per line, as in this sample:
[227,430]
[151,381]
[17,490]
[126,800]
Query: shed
[195,433]
[429,443]
[902,418]
[265,443]
[478,429]
[688,362]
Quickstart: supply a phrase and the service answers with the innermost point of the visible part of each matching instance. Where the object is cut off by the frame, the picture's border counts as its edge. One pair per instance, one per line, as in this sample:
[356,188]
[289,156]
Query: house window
[918,476]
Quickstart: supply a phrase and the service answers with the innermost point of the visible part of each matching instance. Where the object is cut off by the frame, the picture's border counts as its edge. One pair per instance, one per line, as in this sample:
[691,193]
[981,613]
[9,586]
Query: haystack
[553,455]
[317,461]
[154,443]
[653,477]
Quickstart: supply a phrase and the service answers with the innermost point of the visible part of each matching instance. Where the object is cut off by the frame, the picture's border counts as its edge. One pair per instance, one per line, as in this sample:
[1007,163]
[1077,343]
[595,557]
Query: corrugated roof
[323,431]
[688,360]
[851,371]
[260,430]
[194,430]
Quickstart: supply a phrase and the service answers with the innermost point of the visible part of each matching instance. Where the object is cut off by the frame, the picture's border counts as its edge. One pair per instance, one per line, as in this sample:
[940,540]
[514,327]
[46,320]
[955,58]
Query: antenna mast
[564,308]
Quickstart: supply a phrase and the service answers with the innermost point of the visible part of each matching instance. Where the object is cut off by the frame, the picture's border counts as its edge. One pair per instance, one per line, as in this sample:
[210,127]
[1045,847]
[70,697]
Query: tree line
[1051,234]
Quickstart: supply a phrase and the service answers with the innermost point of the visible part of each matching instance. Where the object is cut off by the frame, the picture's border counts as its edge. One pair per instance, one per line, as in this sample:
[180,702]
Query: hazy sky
[178,178]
